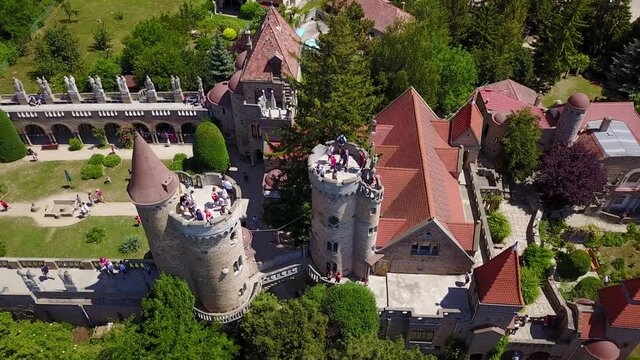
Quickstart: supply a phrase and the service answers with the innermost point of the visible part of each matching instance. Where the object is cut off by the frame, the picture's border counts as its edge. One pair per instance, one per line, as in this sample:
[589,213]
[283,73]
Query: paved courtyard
[519,213]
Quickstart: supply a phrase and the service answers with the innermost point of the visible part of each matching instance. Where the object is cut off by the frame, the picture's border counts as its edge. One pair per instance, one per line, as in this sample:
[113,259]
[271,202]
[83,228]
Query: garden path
[63,153]
[578,220]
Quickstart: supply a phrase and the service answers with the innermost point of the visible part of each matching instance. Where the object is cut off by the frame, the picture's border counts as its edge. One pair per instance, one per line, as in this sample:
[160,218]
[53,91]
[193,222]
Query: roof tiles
[468,117]
[498,280]
[495,101]
[514,90]
[591,325]
[383,13]
[621,303]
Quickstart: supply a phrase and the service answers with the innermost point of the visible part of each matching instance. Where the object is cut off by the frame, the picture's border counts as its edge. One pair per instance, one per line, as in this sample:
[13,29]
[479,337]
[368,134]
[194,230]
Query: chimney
[604,125]
[404,3]
[538,100]
[249,44]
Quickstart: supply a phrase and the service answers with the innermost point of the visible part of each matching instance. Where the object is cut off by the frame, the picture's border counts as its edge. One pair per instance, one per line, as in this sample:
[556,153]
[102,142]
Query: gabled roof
[383,13]
[418,185]
[275,38]
[151,182]
[468,117]
[591,325]
[621,303]
[514,90]
[623,111]
[496,102]
[498,280]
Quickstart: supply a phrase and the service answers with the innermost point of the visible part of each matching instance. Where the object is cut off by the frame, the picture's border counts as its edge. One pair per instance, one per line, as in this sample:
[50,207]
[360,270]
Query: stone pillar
[21,95]
[52,138]
[77,135]
[180,139]
[154,137]
[26,137]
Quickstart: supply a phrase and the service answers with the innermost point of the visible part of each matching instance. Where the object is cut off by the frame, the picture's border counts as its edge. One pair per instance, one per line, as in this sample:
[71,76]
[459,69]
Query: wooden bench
[50,147]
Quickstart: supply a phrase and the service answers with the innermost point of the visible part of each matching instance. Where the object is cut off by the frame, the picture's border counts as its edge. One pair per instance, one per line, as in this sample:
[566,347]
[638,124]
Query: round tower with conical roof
[571,118]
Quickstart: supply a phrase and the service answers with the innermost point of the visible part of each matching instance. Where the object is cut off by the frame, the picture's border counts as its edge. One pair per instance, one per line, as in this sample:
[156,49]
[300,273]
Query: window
[434,249]
[237,265]
[335,267]
[633,178]
[421,336]
[332,246]
[333,221]
[414,249]
[328,266]
[259,131]
[240,261]
[253,131]
[335,247]
[425,249]
[236,268]
[242,290]
[373,229]
[328,245]
[373,211]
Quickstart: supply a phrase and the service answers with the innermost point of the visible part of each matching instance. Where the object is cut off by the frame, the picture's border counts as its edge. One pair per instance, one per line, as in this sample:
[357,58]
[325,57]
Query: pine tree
[560,40]
[221,63]
[624,73]
[608,23]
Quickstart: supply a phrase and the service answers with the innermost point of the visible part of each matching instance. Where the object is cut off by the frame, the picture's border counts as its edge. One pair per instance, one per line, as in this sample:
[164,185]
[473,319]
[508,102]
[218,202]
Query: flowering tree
[570,176]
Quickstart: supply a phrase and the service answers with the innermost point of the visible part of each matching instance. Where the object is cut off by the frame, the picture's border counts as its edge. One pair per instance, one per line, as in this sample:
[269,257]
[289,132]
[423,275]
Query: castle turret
[571,118]
[345,208]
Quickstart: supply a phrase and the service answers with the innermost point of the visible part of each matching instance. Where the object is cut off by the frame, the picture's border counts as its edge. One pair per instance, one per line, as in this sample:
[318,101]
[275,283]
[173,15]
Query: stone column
[154,136]
[77,135]
[26,137]
[180,139]
[52,138]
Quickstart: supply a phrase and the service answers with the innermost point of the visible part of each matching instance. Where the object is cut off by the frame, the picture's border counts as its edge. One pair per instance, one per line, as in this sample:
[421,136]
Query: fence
[233,315]
[85,264]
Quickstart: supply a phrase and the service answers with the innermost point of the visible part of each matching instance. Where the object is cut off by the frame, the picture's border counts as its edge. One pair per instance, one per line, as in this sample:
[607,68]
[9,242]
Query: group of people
[337,276]
[108,267]
[84,207]
[194,101]
[36,100]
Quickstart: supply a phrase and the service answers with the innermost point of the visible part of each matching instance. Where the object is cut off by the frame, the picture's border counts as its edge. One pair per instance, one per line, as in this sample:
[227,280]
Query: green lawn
[569,86]
[627,252]
[24,238]
[91,12]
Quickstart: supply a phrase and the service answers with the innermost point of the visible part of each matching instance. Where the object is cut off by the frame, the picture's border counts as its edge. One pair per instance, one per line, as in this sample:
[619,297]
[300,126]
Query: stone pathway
[578,220]
[63,152]
[519,215]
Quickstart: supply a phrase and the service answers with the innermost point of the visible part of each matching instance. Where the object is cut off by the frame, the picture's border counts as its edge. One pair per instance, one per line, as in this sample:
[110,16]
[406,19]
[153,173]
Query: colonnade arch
[86,133]
[62,133]
[166,131]
[36,134]
[187,130]
[111,131]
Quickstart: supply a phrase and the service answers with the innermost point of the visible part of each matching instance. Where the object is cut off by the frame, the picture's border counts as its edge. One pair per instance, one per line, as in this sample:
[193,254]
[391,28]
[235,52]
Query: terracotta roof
[469,117]
[463,232]
[591,325]
[498,280]
[383,13]
[621,304]
[217,94]
[442,128]
[151,182]
[602,350]
[274,39]
[589,141]
[416,178]
[234,80]
[514,90]
[240,60]
[247,237]
[387,229]
[497,102]
[579,101]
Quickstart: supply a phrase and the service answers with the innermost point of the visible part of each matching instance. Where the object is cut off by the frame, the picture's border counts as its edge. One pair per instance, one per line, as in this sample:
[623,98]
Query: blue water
[300,31]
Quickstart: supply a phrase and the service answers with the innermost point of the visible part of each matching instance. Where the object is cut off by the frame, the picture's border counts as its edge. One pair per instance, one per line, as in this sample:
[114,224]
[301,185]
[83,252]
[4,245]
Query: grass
[24,238]
[28,181]
[627,252]
[91,12]
[569,86]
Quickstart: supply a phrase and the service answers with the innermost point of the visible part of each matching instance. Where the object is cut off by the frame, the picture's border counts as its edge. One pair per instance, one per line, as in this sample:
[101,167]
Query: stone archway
[86,133]
[111,131]
[62,133]
[188,129]
[36,134]
[144,131]
[166,131]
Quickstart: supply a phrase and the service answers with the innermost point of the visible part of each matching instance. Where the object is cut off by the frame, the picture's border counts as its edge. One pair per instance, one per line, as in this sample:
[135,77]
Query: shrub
[11,147]
[126,133]
[111,160]
[229,34]
[178,162]
[96,159]
[587,288]
[611,238]
[130,244]
[209,149]
[454,348]
[250,10]
[501,347]
[96,235]
[75,144]
[538,259]
[530,285]
[618,263]
[91,172]
[101,135]
[498,226]
[118,15]
[351,309]
[573,265]
[633,233]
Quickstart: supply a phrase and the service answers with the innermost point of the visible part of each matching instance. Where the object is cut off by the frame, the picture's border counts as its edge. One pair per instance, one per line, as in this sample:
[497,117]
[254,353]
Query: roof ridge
[423,161]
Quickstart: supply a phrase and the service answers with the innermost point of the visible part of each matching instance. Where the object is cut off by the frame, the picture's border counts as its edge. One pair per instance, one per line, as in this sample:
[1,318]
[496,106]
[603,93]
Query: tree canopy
[624,73]
[220,65]
[372,348]
[209,149]
[608,24]
[56,52]
[570,176]
[519,144]
[351,309]
[11,147]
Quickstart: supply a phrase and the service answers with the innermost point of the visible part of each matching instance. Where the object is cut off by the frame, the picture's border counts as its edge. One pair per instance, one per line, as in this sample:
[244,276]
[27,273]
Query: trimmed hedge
[530,285]
[351,309]
[75,144]
[229,34]
[587,288]
[250,10]
[499,226]
[11,147]
[178,162]
[96,159]
[91,172]
[209,149]
[573,265]
[111,160]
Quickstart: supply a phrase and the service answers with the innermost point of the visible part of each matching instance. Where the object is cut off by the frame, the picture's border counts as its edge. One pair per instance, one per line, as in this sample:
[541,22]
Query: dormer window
[275,65]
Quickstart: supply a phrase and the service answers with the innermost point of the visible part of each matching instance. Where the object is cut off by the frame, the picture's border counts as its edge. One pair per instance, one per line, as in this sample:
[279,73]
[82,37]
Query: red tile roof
[591,325]
[463,232]
[469,117]
[416,178]
[383,13]
[495,101]
[387,229]
[442,128]
[621,304]
[275,38]
[498,280]
[588,140]
[514,90]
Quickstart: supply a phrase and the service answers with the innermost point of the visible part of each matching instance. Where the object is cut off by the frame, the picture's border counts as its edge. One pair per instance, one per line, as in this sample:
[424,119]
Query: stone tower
[345,210]
[571,118]
[210,255]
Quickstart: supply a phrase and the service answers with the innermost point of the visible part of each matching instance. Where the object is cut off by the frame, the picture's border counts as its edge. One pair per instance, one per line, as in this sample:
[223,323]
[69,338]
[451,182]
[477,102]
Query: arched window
[329,245]
[333,221]
[335,247]
[634,178]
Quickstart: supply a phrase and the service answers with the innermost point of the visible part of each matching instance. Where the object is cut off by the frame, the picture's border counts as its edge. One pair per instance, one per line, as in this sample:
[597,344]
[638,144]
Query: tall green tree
[459,19]
[168,329]
[496,36]
[11,147]
[209,149]
[560,40]
[221,63]
[68,10]
[372,348]
[102,38]
[56,52]
[107,69]
[540,11]
[519,144]
[607,24]
[352,310]
[624,72]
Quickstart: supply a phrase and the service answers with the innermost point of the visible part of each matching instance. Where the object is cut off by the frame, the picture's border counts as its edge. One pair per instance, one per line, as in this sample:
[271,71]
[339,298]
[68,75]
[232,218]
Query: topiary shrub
[573,265]
[130,244]
[96,235]
[96,159]
[250,10]
[587,288]
[499,226]
[75,144]
[178,162]
[91,172]
[351,309]
[11,147]
[111,160]
[530,285]
[209,149]
[229,34]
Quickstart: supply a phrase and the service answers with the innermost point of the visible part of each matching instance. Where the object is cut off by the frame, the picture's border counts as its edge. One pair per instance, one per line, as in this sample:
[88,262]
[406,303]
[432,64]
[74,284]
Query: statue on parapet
[149,84]
[17,85]
[175,83]
[121,84]
[98,82]
[200,86]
